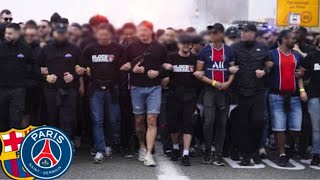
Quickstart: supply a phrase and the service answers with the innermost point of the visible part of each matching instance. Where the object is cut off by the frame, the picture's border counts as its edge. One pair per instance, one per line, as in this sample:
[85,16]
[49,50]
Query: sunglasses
[8,19]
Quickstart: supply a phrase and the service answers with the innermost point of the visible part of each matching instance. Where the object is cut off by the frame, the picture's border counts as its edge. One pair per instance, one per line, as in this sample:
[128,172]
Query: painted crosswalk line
[297,166]
[308,162]
[235,164]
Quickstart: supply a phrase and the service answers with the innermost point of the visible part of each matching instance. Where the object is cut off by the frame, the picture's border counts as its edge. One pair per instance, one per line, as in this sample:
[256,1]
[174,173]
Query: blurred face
[144,33]
[103,36]
[44,29]
[170,36]
[215,36]
[6,18]
[268,38]
[60,36]
[11,35]
[300,36]
[289,41]
[247,35]
[128,34]
[74,33]
[30,35]
[184,47]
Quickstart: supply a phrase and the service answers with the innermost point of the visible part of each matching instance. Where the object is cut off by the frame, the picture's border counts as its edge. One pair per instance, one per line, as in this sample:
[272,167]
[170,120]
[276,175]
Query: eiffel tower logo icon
[46,154]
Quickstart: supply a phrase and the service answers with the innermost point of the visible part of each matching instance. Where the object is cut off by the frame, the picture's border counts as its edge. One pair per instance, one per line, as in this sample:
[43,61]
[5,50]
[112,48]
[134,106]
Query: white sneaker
[108,152]
[149,161]
[142,154]
[98,158]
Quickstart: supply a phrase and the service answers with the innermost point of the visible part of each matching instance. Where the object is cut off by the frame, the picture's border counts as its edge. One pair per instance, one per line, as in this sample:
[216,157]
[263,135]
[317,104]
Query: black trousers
[12,104]
[216,109]
[34,104]
[163,122]
[127,119]
[61,107]
[250,122]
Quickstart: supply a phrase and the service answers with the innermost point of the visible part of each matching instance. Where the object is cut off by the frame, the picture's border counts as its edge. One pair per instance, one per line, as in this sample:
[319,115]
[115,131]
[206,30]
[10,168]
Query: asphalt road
[130,168]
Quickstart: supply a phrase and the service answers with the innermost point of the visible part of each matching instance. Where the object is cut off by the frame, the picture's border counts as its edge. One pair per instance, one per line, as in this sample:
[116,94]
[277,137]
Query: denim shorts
[281,119]
[146,99]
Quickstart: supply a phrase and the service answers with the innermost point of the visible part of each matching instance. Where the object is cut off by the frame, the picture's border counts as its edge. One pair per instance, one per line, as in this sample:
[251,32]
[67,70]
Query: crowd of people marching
[218,93]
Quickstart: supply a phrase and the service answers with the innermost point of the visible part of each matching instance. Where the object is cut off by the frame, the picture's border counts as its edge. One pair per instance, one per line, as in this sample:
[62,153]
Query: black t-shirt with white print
[183,69]
[103,61]
[312,64]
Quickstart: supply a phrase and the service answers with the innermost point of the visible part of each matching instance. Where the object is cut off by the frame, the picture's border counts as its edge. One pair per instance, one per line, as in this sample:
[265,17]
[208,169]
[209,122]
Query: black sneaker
[185,161]
[235,155]
[175,155]
[245,160]
[218,160]
[207,158]
[256,158]
[128,153]
[315,160]
[167,152]
[283,161]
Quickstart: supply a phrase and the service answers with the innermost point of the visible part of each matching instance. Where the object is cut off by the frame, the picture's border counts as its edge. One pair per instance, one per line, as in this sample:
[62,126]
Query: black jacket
[15,64]
[60,58]
[249,58]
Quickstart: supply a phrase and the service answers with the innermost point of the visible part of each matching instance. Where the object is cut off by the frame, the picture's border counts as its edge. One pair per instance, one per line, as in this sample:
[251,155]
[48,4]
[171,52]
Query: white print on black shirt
[183,68]
[102,58]
[316,67]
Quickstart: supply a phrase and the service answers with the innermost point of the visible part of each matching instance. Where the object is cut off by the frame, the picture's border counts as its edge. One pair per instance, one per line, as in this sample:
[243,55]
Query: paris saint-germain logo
[46,153]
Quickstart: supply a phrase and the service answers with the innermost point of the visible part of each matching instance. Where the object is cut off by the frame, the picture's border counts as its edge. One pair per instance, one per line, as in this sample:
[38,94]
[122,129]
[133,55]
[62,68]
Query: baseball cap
[217,27]
[232,32]
[249,27]
[60,28]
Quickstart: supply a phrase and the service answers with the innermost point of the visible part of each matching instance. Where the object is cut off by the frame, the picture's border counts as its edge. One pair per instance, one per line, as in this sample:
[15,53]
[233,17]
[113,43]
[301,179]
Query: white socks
[185,153]
[176,146]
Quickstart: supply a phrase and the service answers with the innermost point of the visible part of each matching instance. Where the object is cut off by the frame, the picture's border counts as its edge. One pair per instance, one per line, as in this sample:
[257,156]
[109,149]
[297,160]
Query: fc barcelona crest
[10,158]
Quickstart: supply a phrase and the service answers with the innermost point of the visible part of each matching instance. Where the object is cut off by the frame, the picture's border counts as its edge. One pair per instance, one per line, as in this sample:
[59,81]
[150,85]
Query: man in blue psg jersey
[215,60]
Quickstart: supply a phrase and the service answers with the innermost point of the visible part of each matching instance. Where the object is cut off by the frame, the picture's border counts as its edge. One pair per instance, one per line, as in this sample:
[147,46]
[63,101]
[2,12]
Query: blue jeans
[146,99]
[101,100]
[314,110]
[280,118]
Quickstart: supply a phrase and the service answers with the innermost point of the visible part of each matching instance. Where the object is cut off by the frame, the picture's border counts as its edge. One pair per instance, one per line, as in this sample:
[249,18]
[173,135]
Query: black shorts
[180,112]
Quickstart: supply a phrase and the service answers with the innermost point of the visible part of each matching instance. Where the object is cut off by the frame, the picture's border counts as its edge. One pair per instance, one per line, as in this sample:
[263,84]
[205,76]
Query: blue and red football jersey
[285,65]
[216,62]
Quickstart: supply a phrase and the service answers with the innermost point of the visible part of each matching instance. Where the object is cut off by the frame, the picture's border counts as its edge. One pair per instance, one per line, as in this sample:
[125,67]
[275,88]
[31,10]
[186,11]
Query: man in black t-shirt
[311,65]
[146,56]
[182,97]
[102,63]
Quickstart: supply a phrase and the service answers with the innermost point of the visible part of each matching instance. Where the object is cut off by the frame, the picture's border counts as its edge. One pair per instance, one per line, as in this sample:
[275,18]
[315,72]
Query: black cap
[184,39]
[55,18]
[232,32]
[299,29]
[249,27]
[217,27]
[60,28]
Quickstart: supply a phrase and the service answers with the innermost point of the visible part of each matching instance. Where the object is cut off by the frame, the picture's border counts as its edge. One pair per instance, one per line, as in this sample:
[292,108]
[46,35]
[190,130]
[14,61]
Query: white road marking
[296,165]
[308,162]
[166,169]
[235,164]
